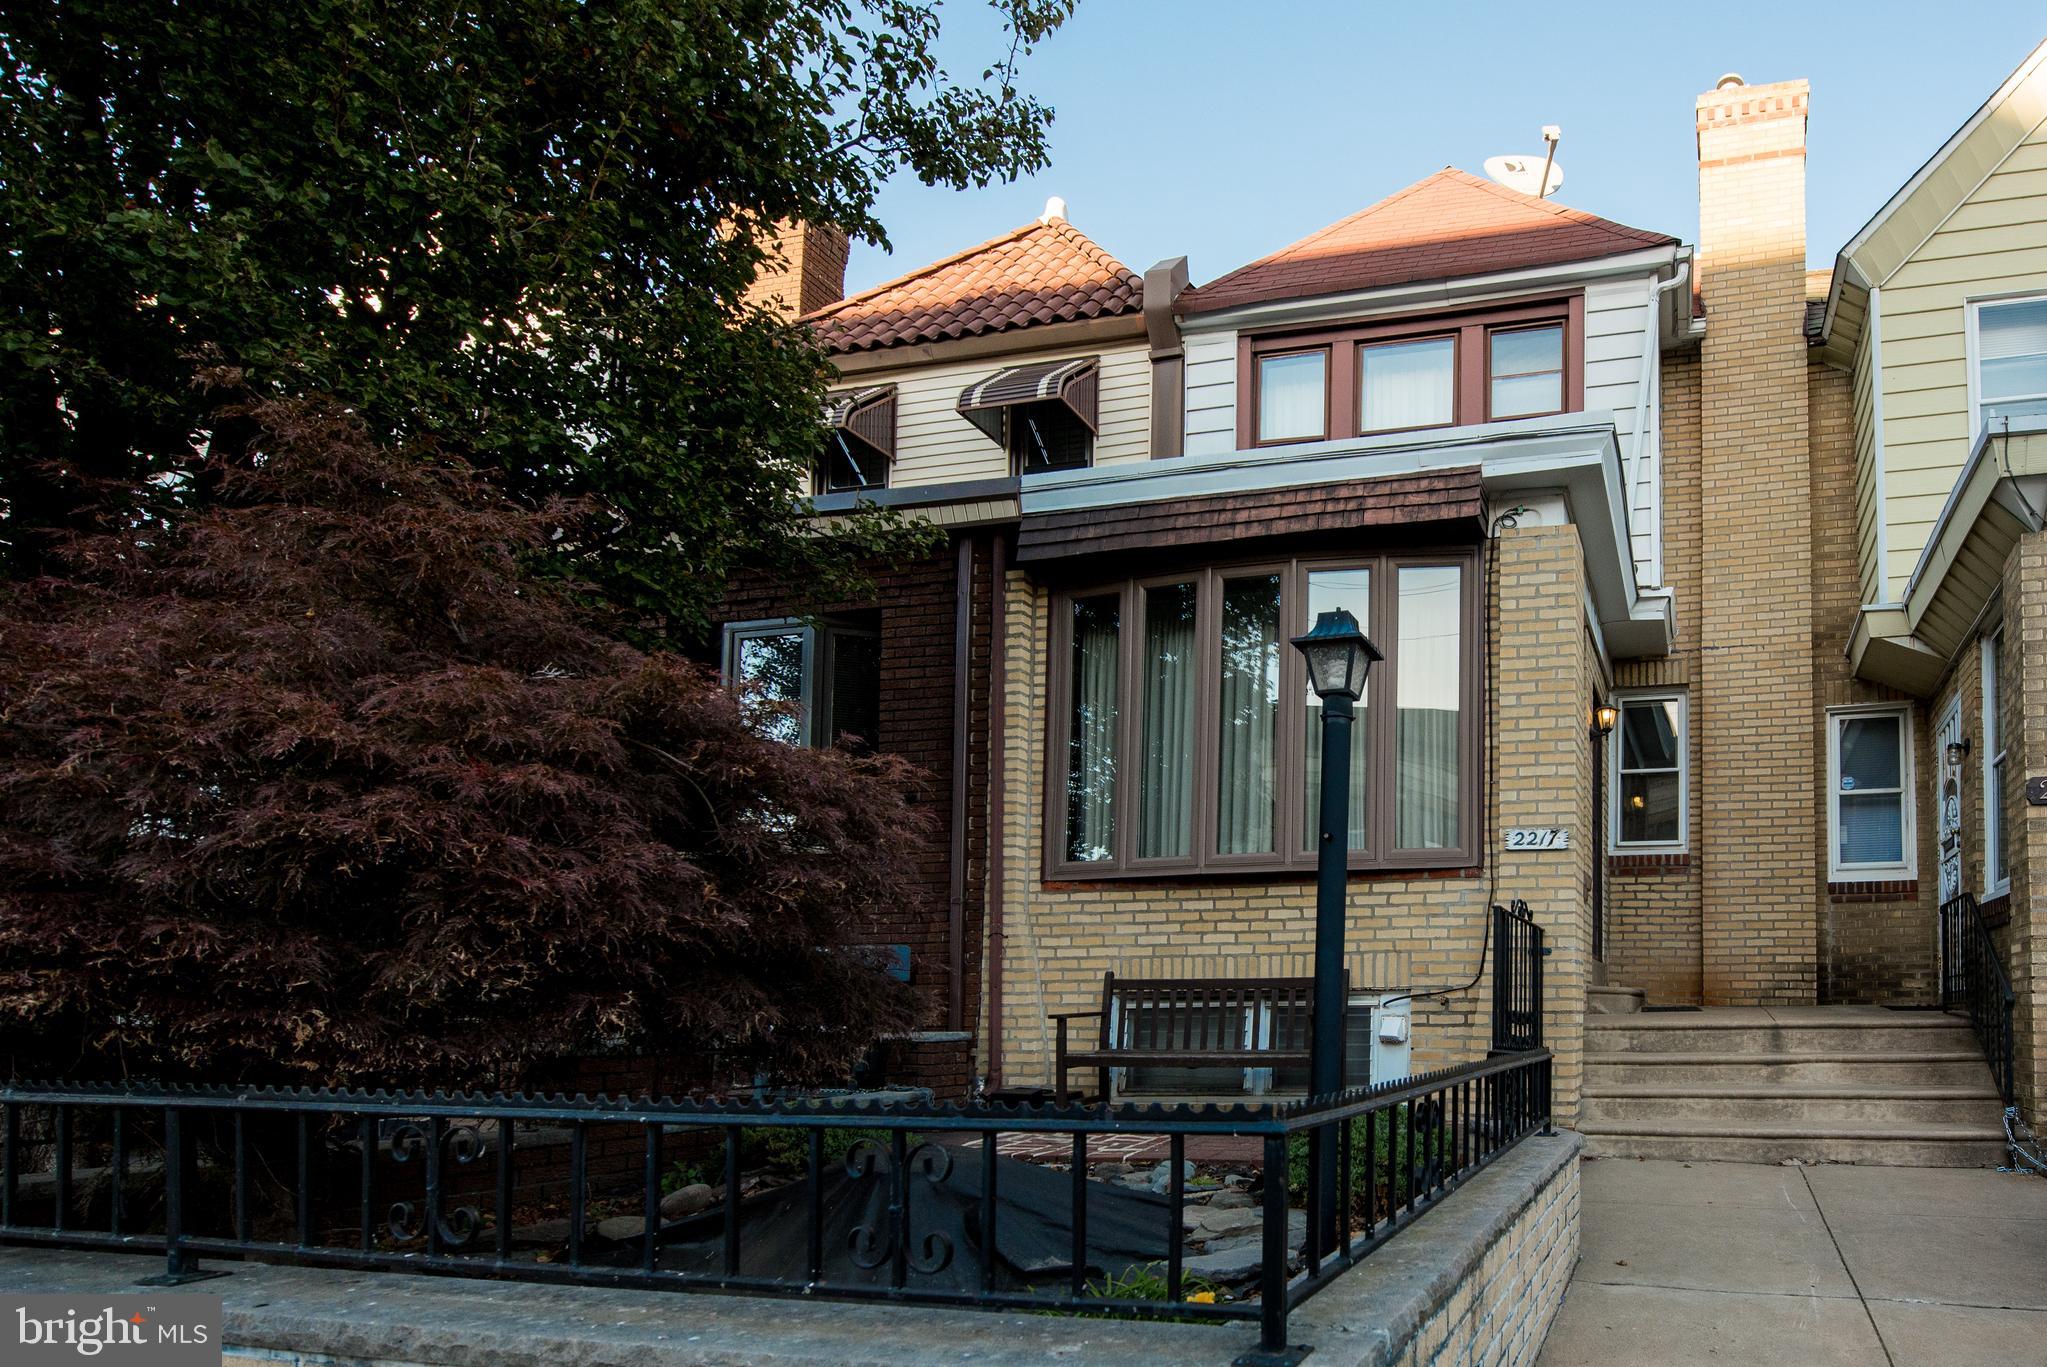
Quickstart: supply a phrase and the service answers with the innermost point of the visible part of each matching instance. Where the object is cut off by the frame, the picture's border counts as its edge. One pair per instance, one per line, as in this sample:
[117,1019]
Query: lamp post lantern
[1339,656]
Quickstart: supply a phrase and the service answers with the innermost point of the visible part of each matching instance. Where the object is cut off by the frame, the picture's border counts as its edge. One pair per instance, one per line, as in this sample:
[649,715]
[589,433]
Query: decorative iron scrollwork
[872,1247]
[407,1221]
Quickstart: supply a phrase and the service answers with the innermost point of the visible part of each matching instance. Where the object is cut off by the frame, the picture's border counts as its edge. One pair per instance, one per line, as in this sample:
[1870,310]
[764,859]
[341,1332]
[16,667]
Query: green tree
[519,232]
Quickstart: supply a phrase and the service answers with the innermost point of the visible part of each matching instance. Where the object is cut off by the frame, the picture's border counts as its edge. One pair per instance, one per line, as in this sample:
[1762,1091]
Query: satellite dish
[1525,174]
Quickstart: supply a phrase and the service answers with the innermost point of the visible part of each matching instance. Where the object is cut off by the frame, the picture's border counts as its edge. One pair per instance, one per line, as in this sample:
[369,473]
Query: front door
[1948,794]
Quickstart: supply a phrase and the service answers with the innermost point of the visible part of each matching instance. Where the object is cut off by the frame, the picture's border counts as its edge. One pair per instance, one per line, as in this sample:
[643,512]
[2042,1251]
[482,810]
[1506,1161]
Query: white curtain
[1249,715]
[1406,384]
[1091,735]
[1165,821]
[1290,395]
[1329,590]
[1427,797]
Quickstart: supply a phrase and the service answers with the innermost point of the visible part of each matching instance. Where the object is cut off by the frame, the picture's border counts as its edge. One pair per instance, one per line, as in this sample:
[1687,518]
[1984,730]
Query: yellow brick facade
[1060,937]
[1753,706]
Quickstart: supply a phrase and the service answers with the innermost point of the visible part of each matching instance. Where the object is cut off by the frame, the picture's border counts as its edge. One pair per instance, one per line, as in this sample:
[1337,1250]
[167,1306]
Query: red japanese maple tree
[319,782]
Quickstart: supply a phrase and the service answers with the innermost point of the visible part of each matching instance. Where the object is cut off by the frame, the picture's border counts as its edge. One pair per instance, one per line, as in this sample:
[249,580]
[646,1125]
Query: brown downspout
[962,679]
[996,691]
[1163,284]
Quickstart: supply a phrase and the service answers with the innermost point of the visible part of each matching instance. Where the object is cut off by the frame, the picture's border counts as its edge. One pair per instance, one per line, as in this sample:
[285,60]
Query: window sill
[1873,890]
[1067,882]
[1648,863]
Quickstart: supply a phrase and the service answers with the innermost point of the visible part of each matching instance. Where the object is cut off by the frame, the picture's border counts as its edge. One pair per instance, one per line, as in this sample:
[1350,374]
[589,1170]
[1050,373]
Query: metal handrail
[1973,980]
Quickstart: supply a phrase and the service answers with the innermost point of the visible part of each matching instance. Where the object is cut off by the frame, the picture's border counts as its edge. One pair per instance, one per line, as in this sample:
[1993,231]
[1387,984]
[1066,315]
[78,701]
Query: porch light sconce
[1339,656]
[1957,751]
[1603,718]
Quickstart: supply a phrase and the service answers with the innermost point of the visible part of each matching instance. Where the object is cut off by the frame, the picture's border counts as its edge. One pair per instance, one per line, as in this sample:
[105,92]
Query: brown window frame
[1472,393]
[1293,855]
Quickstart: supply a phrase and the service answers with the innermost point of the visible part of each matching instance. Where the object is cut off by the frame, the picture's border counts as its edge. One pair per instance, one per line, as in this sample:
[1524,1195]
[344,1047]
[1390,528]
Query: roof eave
[1423,293]
[1007,341]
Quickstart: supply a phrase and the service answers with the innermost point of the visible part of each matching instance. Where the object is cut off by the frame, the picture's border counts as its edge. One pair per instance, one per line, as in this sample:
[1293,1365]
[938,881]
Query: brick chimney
[805,270]
[1755,705]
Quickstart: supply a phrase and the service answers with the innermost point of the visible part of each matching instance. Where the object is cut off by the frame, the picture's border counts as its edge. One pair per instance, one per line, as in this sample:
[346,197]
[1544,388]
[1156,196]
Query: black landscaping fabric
[1126,1228]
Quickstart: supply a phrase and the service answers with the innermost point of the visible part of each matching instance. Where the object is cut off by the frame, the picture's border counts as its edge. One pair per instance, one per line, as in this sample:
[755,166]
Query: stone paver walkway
[1727,1263]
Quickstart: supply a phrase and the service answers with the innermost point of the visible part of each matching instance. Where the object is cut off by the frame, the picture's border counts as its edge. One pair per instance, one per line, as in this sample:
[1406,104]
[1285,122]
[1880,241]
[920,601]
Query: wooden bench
[1190,1023]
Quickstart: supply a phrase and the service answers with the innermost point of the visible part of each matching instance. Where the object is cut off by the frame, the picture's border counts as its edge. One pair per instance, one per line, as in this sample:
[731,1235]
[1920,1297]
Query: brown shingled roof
[1451,224]
[1043,272]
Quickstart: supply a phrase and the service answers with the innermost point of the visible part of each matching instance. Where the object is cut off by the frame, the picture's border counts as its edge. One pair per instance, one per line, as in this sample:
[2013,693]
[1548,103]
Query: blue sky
[1222,129]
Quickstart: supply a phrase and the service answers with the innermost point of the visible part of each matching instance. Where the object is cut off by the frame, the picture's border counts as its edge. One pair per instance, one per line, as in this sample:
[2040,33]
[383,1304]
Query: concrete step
[1840,1104]
[1607,1000]
[1684,1033]
[1882,1145]
[1670,1068]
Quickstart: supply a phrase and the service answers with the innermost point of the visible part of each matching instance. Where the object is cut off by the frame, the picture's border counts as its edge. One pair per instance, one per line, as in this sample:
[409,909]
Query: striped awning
[868,413]
[1071,383]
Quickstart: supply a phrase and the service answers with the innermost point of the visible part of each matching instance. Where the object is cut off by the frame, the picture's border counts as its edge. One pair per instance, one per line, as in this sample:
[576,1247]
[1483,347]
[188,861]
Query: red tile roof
[1044,272]
[1449,225]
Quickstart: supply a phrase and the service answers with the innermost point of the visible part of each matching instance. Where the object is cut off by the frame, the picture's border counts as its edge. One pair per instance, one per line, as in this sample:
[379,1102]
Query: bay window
[1406,374]
[1186,740]
[1869,797]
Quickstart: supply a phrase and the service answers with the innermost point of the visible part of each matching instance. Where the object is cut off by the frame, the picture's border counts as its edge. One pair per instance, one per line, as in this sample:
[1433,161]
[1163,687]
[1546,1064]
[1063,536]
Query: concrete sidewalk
[1728,1263]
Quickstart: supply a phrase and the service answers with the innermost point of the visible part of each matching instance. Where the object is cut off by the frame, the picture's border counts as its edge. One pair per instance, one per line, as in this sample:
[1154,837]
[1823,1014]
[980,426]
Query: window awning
[1071,383]
[868,414]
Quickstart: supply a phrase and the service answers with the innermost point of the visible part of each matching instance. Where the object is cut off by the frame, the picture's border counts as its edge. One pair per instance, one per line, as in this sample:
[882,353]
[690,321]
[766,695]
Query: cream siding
[935,445]
[1211,366]
[1994,243]
[1868,472]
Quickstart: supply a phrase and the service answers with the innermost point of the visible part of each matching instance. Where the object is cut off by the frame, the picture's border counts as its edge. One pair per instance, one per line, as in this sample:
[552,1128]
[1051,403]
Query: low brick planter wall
[1475,1281]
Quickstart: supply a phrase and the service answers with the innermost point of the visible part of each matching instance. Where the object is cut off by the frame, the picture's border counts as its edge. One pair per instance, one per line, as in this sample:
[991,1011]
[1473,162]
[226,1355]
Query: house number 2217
[1538,838]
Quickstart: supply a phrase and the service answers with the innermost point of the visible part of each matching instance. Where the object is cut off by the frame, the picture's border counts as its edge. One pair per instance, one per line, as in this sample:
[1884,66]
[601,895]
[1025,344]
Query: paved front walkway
[1731,1263]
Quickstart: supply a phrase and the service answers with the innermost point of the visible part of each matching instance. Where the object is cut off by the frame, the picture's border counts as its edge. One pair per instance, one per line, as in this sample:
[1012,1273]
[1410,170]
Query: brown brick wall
[1754,705]
[917,604]
[806,271]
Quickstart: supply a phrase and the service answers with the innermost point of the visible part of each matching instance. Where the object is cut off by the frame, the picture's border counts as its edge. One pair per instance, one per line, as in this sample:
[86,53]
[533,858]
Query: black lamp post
[1339,656]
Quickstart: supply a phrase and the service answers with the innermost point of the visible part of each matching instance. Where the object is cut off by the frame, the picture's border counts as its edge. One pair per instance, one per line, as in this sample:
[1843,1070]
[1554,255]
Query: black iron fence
[878,1200]
[1517,978]
[1973,981]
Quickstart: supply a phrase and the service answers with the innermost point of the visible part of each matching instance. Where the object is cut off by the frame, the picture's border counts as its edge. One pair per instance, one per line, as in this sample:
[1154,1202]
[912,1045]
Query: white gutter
[1574,454]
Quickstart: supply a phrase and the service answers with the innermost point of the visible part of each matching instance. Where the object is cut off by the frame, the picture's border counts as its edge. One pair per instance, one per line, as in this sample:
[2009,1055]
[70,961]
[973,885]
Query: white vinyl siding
[935,445]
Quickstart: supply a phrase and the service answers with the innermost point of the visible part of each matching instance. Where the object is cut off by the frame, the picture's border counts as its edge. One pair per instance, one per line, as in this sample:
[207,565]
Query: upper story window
[860,440]
[1184,738]
[808,684]
[2008,338]
[1413,373]
[1869,794]
[1042,414]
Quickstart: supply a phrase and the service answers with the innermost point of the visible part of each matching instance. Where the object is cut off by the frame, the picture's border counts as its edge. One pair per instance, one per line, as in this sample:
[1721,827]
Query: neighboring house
[1551,463]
